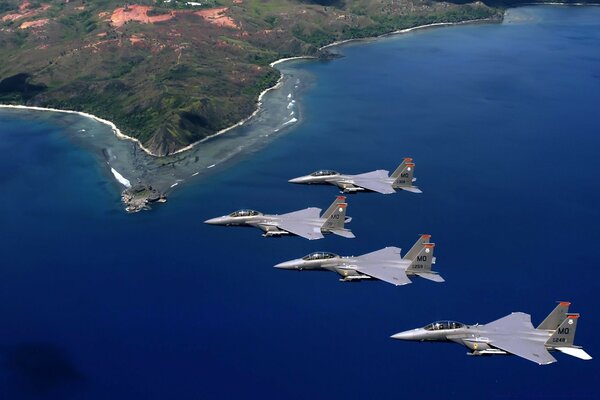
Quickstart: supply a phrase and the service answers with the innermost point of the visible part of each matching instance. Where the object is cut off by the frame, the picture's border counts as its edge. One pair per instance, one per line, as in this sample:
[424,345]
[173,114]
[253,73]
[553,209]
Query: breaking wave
[122,180]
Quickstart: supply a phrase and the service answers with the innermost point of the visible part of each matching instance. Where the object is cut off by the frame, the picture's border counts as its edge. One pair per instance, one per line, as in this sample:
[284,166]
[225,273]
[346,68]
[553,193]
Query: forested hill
[173,72]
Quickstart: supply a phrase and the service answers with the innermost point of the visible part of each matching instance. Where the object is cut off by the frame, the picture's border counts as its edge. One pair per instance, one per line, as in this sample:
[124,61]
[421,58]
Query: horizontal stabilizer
[343,233]
[575,352]
[412,189]
[430,276]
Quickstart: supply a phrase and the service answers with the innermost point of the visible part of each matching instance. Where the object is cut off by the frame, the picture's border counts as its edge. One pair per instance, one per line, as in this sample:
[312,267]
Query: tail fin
[401,167]
[565,333]
[423,260]
[337,218]
[556,317]
[333,206]
[403,177]
[417,247]
[564,336]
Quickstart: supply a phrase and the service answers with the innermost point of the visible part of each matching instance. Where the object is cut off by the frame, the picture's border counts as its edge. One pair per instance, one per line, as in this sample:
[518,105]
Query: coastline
[119,134]
[240,123]
[286,59]
[111,124]
[406,30]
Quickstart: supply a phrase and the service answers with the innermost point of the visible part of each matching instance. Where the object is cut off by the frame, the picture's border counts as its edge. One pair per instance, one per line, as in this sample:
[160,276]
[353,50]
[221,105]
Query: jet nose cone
[214,221]
[300,179]
[292,264]
[406,335]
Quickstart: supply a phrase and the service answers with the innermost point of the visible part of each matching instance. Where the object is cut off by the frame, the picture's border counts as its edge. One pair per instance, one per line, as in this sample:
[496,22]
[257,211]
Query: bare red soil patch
[137,13]
[25,12]
[217,16]
[34,24]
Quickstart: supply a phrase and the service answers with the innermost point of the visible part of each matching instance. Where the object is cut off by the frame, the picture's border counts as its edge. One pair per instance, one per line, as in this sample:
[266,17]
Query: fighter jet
[307,223]
[375,181]
[513,334]
[385,264]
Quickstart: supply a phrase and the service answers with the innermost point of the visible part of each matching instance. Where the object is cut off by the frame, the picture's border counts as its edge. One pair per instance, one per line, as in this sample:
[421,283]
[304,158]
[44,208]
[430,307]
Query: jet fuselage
[475,337]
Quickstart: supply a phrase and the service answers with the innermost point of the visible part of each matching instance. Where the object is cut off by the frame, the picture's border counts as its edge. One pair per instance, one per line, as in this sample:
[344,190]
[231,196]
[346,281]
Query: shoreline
[120,135]
[115,130]
[406,30]
[286,59]
[240,123]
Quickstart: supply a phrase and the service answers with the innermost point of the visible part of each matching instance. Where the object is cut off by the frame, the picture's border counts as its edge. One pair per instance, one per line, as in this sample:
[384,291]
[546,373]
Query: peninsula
[170,73]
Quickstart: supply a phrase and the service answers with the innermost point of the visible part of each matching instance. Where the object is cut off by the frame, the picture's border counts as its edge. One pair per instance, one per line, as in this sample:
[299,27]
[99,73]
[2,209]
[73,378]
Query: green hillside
[170,73]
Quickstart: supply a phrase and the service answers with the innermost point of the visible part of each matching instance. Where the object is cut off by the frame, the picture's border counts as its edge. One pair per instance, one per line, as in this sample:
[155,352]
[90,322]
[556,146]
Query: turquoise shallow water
[502,123]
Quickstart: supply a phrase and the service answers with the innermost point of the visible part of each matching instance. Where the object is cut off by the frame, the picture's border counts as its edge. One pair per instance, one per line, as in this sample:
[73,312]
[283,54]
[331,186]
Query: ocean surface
[502,122]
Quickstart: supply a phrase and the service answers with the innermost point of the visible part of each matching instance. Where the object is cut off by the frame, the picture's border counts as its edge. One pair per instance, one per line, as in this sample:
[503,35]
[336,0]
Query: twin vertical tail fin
[556,317]
[562,339]
[335,218]
[417,247]
[333,207]
[421,258]
[403,176]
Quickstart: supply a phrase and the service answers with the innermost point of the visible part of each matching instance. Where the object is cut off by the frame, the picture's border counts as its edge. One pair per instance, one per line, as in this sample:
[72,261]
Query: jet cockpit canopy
[319,255]
[324,172]
[442,325]
[244,213]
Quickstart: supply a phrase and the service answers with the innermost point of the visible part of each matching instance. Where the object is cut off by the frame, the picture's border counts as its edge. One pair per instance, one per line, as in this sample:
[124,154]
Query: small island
[139,197]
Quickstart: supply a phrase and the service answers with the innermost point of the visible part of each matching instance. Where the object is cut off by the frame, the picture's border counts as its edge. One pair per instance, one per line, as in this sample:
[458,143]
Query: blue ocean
[502,122]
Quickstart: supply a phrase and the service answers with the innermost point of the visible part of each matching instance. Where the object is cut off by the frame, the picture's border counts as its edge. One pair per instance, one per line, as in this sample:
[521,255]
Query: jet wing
[504,334]
[514,322]
[528,349]
[302,229]
[375,181]
[386,254]
[394,275]
[307,213]
[376,264]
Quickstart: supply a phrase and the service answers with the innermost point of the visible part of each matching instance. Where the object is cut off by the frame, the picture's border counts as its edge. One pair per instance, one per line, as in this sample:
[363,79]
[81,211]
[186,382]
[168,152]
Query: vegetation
[172,73]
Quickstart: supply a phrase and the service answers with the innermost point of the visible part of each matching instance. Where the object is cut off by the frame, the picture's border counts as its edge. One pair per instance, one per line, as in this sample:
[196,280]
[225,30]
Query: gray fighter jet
[375,181]
[385,264]
[513,334]
[307,223]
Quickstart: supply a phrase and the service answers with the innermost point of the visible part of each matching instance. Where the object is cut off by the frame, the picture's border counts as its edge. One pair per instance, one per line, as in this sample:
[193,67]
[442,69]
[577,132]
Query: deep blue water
[502,121]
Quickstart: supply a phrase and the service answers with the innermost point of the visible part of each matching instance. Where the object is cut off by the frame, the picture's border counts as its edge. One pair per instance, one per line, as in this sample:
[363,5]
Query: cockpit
[244,213]
[324,172]
[442,325]
[319,255]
